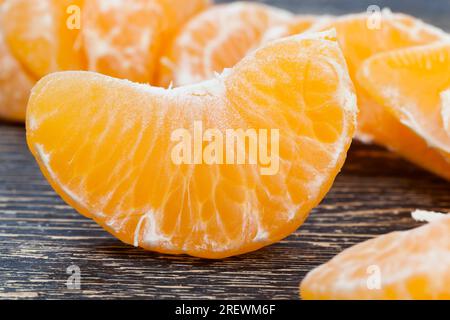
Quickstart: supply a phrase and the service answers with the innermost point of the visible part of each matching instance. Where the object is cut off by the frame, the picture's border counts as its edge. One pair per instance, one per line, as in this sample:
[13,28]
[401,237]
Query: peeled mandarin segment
[39,37]
[106,147]
[15,85]
[359,42]
[217,39]
[412,84]
[411,264]
[122,38]
[397,137]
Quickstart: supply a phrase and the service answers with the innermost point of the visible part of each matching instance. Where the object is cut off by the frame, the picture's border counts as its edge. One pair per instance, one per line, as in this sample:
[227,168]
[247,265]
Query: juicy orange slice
[401,265]
[107,147]
[375,123]
[217,39]
[38,35]
[414,84]
[359,42]
[15,85]
[124,38]
[360,38]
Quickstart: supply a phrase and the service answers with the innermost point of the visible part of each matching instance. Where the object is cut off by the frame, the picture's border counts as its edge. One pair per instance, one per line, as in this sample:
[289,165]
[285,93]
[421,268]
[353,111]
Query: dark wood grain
[40,236]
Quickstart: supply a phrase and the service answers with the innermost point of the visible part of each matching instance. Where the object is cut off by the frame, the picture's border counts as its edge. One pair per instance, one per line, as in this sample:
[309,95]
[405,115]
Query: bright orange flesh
[15,85]
[375,123]
[105,146]
[361,38]
[217,39]
[412,84]
[124,38]
[37,34]
[401,265]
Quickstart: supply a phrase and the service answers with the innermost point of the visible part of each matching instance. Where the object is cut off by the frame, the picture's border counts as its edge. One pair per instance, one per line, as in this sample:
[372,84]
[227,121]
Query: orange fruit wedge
[217,39]
[15,84]
[111,148]
[375,123]
[124,38]
[400,265]
[420,108]
[362,36]
[414,84]
[39,37]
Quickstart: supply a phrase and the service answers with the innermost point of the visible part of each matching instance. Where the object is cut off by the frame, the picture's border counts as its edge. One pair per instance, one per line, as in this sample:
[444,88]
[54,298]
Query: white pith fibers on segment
[45,161]
[427,216]
[411,123]
[445,109]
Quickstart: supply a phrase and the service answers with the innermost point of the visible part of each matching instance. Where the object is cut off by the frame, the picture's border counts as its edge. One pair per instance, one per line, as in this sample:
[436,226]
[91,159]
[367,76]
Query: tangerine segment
[38,34]
[217,39]
[414,84]
[15,85]
[124,38]
[107,145]
[360,38]
[411,264]
[375,123]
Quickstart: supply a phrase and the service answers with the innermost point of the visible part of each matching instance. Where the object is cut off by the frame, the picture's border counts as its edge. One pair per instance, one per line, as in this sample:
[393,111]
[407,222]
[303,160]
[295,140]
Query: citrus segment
[411,264]
[38,34]
[123,39]
[107,147]
[412,84]
[15,85]
[360,39]
[217,39]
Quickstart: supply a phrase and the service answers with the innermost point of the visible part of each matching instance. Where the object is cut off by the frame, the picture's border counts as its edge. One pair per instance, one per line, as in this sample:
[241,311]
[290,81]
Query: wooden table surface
[40,236]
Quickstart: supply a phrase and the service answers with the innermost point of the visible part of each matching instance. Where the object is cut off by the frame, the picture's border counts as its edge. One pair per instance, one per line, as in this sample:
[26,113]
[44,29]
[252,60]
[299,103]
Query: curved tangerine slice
[15,85]
[411,264]
[39,37]
[360,38]
[124,38]
[359,42]
[107,149]
[375,123]
[414,85]
[217,39]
